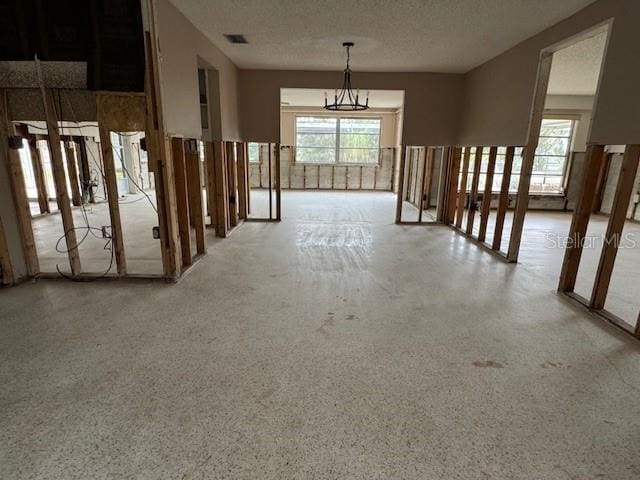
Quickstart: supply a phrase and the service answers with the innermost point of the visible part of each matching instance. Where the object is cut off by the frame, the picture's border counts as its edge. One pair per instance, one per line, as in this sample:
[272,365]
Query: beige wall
[498,93]
[432,101]
[388,126]
[182,49]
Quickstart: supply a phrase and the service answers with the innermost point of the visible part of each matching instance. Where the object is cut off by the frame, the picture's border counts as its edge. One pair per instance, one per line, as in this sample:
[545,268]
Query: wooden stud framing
[112,196]
[159,149]
[243,180]
[400,196]
[428,177]
[486,197]
[473,195]
[277,184]
[182,199]
[232,183]
[603,175]
[18,188]
[60,180]
[613,237]
[270,182]
[38,173]
[503,200]
[580,219]
[452,185]
[194,186]
[422,183]
[222,198]
[462,193]
[528,156]
[209,158]
[6,269]
[72,169]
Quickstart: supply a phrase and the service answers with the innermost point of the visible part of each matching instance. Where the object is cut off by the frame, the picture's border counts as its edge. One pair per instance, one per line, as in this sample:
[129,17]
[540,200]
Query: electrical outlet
[156,233]
[106,231]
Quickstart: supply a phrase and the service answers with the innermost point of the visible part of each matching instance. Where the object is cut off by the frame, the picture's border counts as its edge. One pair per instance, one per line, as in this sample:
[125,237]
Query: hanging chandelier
[344,99]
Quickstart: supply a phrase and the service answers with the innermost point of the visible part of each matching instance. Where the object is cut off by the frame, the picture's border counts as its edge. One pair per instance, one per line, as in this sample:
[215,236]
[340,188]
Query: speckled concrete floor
[334,345]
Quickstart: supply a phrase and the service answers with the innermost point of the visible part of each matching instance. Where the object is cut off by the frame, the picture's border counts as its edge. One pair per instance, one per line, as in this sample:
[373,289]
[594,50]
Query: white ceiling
[398,35]
[575,69]
[309,97]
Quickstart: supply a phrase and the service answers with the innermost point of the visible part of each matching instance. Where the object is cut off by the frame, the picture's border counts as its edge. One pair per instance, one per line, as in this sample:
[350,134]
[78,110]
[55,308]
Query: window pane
[326,140]
[545,184]
[359,133]
[315,155]
[358,155]
[556,127]
[549,165]
[254,152]
[553,146]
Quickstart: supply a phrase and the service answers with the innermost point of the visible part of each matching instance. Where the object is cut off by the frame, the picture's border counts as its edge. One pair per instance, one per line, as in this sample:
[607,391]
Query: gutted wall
[299,176]
[182,49]
[498,94]
[432,101]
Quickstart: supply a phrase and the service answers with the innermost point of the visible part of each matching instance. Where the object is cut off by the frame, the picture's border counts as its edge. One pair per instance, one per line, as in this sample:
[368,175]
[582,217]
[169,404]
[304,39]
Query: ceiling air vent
[235,38]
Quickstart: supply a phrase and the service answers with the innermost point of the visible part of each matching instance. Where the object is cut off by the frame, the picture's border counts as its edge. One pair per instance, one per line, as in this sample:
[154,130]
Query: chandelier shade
[344,99]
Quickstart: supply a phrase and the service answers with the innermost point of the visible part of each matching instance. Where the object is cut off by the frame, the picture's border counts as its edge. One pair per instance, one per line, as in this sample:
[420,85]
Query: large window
[331,140]
[549,166]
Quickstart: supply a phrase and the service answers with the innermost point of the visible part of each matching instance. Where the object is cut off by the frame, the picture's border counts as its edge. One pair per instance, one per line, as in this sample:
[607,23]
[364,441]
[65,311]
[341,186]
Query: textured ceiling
[575,69]
[398,35]
[309,97]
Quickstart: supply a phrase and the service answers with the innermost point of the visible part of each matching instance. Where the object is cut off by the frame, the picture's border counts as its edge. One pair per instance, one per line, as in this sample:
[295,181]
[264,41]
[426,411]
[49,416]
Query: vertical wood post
[278,186]
[72,169]
[528,157]
[222,197]
[209,158]
[400,197]
[423,180]
[580,219]
[194,185]
[503,201]
[486,197]
[452,189]
[182,199]
[270,182]
[462,193]
[6,269]
[613,237]
[473,195]
[428,179]
[38,172]
[243,181]
[232,182]
[112,196]
[60,180]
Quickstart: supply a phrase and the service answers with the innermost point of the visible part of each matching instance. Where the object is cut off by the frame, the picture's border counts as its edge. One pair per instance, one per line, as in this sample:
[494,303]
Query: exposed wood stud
[428,179]
[473,194]
[528,156]
[270,185]
[243,181]
[613,237]
[422,184]
[232,183]
[182,199]
[486,197]
[211,182]
[194,185]
[222,197]
[111,184]
[72,169]
[38,173]
[6,270]
[278,186]
[452,188]
[60,180]
[503,200]
[580,219]
[603,175]
[462,193]
[400,196]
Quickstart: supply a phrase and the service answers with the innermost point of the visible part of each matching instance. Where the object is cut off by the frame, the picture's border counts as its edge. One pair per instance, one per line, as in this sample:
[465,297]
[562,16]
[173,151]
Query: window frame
[565,171]
[337,147]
